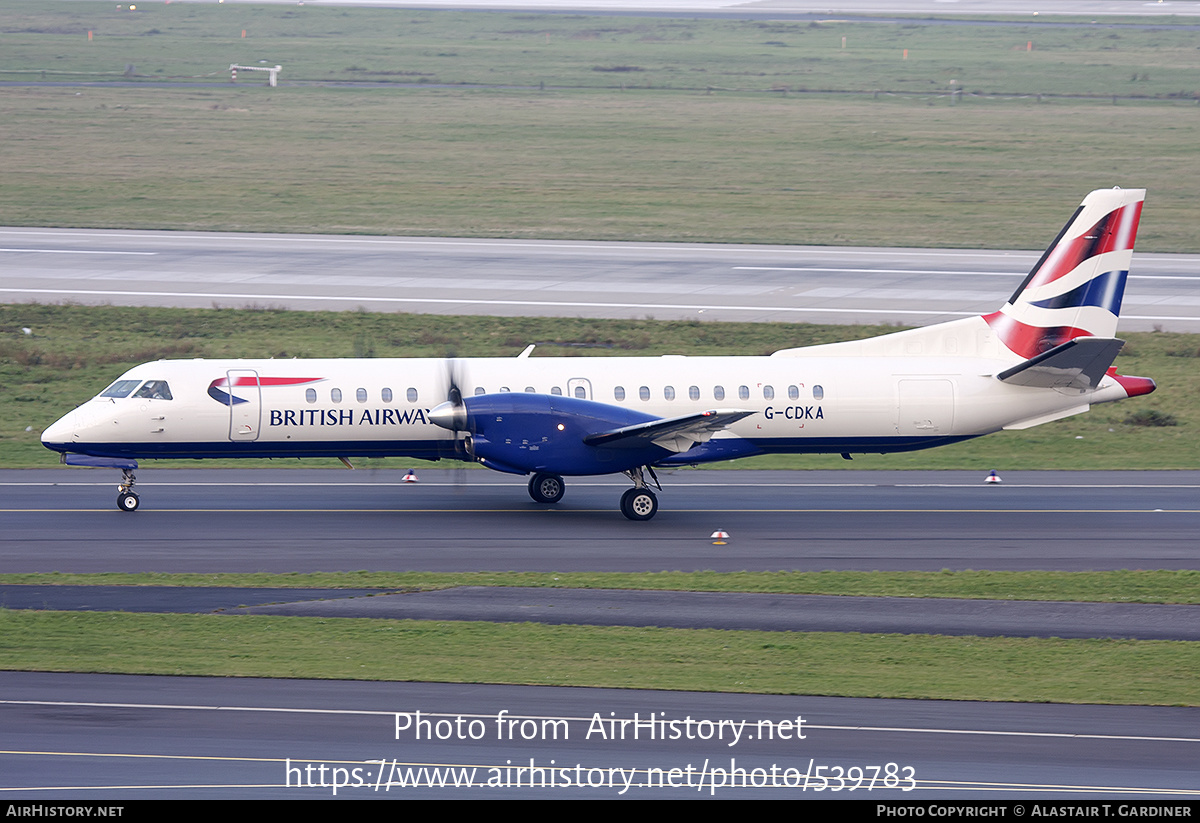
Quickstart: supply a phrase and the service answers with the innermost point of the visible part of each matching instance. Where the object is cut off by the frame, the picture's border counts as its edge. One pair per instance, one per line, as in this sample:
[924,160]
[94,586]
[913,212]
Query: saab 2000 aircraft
[1046,354]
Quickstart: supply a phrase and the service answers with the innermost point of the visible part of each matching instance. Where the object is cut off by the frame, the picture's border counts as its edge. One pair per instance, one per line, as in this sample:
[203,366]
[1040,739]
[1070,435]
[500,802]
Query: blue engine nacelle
[524,432]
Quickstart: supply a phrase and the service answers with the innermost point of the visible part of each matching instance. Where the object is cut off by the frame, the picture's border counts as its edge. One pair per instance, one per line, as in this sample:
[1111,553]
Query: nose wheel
[127,500]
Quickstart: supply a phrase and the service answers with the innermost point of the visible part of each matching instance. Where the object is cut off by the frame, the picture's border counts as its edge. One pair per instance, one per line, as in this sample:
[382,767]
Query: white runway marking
[680,483]
[585,719]
[546,245]
[878,271]
[531,303]
[936,272]
[476,302]
[76,251]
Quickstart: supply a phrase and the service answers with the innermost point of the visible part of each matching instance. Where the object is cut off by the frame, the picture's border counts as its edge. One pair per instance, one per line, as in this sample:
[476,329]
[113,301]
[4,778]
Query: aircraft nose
[60,433]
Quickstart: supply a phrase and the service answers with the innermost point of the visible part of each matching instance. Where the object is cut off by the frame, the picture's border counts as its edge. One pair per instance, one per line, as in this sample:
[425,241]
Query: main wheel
[639,504]
[546,488]
[127,501]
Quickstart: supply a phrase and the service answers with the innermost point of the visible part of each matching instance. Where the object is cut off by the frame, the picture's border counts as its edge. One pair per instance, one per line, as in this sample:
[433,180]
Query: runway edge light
[993,478]
[410,476]
[718,537]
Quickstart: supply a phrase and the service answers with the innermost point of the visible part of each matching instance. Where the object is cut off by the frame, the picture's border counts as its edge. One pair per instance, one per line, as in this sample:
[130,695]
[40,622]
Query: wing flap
[675,434]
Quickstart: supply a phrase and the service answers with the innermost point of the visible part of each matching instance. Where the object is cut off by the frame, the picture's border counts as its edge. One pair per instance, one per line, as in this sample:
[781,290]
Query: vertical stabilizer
[1076,287]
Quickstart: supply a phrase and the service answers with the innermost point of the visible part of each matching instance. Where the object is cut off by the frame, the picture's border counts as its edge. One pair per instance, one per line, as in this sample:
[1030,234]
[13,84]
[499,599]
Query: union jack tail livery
[1076,287]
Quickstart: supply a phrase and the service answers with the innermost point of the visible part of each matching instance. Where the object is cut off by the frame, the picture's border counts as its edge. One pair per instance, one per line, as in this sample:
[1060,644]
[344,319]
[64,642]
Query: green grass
[1127,586]
[845,664]
[192,42]
[76,351]
[860,665]
[647,153]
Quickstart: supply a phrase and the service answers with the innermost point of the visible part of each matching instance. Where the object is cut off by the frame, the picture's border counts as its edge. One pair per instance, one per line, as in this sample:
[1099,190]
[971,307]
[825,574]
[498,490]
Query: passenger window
[479,390]
[410,395]
[361,395]
[793,392]
[386,394]
[693,392]
[155,390]
[669,392]
[644,392]
[744,392]
[505,388]
[531,389]
[335,395]
[581,392]
[556,390]
[818,392]
[768,392]
[619,393]
[718,392]
[310,395]
[121,388]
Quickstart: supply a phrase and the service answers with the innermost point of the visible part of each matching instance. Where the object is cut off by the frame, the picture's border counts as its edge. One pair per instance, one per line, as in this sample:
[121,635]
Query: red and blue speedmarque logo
[227,398]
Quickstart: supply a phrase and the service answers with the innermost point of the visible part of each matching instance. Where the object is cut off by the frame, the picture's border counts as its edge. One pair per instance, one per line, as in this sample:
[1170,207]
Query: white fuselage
[380,407]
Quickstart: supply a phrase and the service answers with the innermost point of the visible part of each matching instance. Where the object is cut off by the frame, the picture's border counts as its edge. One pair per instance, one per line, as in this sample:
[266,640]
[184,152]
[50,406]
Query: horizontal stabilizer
[676,434]
[1077,364]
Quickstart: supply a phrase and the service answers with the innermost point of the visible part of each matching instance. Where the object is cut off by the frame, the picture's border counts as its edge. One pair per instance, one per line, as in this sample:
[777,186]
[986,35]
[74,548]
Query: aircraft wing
[677,434]
[1079,364]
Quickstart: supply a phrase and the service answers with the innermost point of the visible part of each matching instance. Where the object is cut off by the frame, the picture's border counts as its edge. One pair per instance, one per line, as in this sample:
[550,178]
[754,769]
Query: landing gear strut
[127,500]
[546,488]
[639,503]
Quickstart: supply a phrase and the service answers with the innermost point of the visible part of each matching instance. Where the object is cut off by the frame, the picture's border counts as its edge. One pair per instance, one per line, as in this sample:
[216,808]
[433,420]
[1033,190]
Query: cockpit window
[121,388]
[155,390]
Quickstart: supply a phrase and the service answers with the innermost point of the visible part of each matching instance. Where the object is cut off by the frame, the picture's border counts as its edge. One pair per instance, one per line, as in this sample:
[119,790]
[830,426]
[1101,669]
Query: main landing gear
[638,503]
[127,501]
[546,488]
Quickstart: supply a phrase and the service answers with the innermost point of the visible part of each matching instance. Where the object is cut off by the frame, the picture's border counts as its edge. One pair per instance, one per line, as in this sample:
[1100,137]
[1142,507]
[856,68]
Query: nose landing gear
[127,500]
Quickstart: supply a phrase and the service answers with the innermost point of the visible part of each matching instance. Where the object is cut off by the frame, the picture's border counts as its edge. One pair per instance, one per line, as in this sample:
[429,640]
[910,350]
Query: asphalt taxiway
[672,609]
[113,737]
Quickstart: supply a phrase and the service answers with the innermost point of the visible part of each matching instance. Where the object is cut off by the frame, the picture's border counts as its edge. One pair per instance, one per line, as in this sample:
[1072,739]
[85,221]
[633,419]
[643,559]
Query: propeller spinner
[452,414]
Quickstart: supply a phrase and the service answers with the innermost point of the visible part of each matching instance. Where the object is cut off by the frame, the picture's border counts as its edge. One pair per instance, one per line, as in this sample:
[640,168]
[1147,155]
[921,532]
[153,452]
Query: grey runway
[815,284]
[329,520]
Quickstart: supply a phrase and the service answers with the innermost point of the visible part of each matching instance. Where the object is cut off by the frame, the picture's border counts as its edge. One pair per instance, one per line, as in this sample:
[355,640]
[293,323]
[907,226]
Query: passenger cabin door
[245,405]
[925,407]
